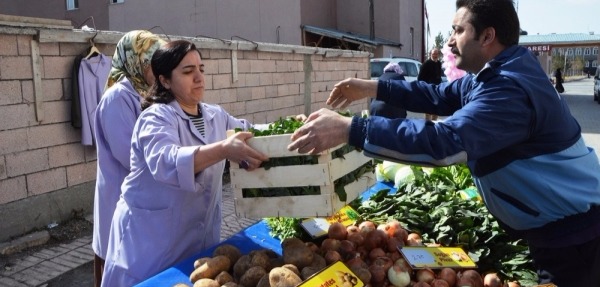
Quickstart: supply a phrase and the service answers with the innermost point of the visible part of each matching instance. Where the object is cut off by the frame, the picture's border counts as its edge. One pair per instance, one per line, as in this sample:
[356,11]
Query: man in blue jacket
[506,121]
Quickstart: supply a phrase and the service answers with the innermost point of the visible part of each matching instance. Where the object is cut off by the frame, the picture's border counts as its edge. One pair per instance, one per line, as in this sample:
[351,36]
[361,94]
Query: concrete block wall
[46,174]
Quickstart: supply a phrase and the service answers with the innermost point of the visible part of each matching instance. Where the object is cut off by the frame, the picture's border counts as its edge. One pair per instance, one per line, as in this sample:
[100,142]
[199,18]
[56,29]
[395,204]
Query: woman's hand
[350,90]
[240,152]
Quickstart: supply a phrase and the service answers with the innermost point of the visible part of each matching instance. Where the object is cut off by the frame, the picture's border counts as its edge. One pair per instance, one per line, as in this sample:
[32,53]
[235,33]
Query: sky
[535,16]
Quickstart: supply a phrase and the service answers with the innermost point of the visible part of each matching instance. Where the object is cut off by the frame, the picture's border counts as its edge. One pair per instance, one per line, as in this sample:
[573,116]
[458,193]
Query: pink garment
[449,64]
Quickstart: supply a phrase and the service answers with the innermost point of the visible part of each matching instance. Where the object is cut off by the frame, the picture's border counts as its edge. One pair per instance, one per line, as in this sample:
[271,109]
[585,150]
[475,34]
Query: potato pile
[370,251]
[262,268]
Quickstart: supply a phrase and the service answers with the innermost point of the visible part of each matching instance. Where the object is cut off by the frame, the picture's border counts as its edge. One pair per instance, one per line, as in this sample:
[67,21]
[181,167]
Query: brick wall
[45,173]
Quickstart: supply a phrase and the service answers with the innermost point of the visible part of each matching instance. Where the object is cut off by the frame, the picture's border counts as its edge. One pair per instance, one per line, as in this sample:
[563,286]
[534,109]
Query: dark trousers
[571,266]
[98,270]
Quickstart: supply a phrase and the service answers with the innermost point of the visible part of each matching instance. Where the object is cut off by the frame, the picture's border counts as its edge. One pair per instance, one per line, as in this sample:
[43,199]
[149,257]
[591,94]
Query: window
[587,51]
[595,52]
[578,51]
[72,4]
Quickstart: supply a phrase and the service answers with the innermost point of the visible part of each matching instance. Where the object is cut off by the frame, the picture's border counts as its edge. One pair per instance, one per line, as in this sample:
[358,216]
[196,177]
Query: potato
[275,262]
[232,252]
[252,276]
[205,282]
[230,284]
[211,268]
[260,258]
[291,241]
[264,281]
[299,255]
[292,268]
[240,267]
[283,277]
[223,278]
[318,262]
[200,261]
[309,271]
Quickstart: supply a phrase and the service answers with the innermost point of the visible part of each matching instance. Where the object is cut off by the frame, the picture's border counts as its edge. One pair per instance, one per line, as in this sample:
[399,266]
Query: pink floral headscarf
[451,71]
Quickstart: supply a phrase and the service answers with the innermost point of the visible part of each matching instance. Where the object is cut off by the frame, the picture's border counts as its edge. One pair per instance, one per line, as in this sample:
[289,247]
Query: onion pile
[372,253]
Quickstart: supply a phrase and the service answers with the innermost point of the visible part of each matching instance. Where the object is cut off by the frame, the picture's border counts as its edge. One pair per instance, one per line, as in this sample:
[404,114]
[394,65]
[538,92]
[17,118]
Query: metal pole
[371,20]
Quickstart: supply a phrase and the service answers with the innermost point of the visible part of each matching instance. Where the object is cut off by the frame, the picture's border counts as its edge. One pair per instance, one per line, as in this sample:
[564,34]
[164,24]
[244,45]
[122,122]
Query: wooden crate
[322,174]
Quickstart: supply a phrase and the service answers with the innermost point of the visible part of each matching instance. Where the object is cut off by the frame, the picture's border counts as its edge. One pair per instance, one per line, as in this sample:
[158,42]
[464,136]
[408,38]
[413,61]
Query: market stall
[254,237]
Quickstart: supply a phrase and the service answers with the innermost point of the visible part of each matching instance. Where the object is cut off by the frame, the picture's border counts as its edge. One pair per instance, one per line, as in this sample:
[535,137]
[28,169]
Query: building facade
[575,53]
[382,27]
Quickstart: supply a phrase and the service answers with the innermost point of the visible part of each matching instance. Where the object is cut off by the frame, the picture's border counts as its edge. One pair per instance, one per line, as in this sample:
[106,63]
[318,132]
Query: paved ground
[70,264]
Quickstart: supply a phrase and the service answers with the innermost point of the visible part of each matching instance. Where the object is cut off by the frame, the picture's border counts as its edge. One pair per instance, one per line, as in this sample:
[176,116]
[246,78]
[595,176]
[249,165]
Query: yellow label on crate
[336,275]
[318,227]
[436,257]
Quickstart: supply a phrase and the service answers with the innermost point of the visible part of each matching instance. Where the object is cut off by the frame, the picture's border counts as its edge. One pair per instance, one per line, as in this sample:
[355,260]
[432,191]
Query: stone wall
[46,174]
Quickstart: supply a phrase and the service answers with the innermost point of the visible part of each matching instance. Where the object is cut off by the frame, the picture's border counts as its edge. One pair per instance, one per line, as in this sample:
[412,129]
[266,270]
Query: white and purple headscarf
[393,67]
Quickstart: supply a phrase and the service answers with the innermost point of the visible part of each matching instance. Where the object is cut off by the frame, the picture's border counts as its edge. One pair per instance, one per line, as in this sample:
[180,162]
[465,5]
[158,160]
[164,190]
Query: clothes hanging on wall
[92,76]
[75,103]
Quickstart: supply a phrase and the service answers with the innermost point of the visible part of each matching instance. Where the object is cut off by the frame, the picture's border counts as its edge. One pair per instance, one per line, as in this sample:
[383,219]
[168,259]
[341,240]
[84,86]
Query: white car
[410,67]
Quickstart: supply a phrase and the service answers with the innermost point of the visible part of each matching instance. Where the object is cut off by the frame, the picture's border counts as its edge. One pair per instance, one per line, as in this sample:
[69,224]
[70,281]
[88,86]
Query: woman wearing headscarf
[391,71]
[171,201]
[128,83]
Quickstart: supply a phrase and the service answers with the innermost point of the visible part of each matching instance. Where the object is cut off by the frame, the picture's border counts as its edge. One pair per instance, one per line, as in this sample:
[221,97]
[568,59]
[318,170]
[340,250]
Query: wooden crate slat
[342,166]
[281,176]
[295,206]
[353,190]
[273,146]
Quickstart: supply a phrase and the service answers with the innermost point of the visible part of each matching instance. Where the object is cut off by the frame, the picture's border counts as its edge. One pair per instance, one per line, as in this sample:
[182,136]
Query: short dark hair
[163,62]
[498,14]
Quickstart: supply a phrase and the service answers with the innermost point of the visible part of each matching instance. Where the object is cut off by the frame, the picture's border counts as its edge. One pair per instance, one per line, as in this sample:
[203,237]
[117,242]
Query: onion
[398,277]
[472,276]
[439,283]
[337,231]
[425,275]
[366,226]
[352,229]
[414,239]
[449,275]
[492,280]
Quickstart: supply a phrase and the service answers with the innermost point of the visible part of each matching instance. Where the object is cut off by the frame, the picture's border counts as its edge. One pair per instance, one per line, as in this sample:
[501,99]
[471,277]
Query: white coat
[166,212]
[115,117]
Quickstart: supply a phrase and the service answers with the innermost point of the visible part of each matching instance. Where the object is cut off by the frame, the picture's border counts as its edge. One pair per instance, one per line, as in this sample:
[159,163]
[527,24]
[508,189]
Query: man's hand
[322,130]
[350,90]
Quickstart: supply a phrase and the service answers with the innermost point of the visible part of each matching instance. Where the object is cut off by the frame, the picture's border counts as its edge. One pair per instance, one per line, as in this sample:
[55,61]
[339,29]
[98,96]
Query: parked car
[410,67]
[597,86]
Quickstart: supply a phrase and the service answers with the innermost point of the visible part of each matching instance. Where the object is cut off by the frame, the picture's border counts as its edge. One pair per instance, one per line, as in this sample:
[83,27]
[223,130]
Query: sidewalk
[39,268]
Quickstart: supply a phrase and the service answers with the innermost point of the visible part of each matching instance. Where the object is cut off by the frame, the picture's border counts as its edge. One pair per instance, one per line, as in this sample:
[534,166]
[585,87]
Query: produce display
[370,251]
[428,203]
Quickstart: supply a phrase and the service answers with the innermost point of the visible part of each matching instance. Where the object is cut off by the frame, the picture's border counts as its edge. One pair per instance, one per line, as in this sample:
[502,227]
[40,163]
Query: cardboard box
[323,174]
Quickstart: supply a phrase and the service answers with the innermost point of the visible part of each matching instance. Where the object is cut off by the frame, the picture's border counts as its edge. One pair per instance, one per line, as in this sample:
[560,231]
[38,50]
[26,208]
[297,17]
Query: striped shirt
[198,121]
